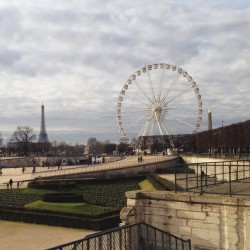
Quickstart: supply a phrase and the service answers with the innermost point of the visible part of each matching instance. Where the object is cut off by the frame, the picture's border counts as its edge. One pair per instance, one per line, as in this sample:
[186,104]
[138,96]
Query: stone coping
[191,197]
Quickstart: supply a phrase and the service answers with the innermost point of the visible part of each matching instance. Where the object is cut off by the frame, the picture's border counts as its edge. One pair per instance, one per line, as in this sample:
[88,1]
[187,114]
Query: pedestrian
[17,185]
[202,174]
[10,182]
[7,184]
[23,169]
[33,170]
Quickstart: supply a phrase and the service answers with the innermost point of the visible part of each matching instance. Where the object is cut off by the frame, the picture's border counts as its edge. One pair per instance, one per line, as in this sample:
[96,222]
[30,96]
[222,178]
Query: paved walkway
[17,175]
[125,163]
[24,236]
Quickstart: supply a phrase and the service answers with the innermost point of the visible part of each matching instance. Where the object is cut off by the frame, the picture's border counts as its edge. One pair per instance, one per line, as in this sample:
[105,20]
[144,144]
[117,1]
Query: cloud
[75,56]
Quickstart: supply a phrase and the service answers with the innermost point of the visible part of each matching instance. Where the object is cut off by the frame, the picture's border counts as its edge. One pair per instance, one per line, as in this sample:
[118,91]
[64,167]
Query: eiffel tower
[43,137]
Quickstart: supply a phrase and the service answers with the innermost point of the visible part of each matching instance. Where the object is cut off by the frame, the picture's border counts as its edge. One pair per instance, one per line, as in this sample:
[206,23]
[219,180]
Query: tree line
[234,138]
[23,143]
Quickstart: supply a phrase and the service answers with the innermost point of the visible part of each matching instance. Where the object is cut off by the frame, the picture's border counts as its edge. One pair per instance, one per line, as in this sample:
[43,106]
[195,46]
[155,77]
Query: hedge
[95,222]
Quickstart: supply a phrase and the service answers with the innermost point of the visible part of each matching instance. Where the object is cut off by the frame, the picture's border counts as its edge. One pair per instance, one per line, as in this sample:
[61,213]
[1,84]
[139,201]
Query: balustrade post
[215,173]
[230,180]
[206,174]
[237,170]
[201,180]
[186,177]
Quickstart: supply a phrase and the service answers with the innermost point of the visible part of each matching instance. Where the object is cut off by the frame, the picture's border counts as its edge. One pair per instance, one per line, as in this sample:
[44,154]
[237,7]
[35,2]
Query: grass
[147,186]
[78,208]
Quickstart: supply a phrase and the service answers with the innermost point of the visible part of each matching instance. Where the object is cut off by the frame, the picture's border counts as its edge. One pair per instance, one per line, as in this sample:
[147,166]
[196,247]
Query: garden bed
[63,197]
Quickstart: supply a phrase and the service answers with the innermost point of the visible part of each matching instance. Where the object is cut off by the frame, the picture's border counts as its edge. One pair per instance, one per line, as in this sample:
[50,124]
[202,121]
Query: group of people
[140,159]
[10,184]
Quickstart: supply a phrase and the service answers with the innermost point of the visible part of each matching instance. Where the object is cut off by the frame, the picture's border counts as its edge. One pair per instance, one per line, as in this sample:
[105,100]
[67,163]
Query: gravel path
[24,236]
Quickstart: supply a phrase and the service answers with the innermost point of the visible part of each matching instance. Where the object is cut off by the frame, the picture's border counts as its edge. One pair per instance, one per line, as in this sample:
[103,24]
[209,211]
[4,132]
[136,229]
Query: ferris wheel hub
[158,109]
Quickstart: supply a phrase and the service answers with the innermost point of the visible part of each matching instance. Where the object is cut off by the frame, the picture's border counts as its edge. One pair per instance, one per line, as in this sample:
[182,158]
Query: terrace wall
[209,221]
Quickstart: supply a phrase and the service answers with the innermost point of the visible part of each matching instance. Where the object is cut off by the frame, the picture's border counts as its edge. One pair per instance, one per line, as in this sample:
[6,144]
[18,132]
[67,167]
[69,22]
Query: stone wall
[220,167]
[195,159]
[210,221]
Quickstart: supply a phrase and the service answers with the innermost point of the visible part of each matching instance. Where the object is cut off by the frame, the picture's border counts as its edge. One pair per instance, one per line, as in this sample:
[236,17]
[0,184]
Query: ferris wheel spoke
[134,111]
[136,122]
[143,92]
[152,128]
[158,123]
[181,120]
[136,100]
[166,107]
[170,128]
[171,86]
[175,97]
[144,129]
[151,85]
[160,85]
[166,126]
[151,125]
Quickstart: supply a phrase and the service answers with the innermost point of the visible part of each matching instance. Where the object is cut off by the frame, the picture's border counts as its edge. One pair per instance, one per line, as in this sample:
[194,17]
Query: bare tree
[54,145]
[22,139]
[1,139]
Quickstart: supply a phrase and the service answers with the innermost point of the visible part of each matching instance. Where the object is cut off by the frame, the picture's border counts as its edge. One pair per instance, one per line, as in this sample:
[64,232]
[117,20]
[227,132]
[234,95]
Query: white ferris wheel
[159,99]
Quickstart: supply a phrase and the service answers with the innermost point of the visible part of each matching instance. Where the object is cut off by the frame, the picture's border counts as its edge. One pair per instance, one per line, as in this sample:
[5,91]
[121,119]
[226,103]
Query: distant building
[43,137]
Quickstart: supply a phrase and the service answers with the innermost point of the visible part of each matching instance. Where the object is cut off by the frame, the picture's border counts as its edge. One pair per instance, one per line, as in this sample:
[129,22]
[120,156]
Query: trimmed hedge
[99,192]
[62,197]
[101,222]
[108,192]
[54,185]
[13,198]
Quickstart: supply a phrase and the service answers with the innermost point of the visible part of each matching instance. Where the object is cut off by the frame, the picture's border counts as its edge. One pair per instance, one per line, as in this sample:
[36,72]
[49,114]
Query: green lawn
[147,186]
[78,208]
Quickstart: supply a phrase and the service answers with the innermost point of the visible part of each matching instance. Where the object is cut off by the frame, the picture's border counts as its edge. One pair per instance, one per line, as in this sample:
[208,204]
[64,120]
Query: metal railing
[139,236]
[228,156]
[102,167]
[226,177]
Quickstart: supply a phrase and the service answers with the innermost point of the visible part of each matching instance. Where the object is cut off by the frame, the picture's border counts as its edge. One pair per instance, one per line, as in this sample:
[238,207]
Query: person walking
[10,182]
[33,170]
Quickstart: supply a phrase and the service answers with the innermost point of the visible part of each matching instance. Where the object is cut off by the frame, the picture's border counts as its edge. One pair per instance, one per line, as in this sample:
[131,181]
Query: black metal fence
[139,236]
[225,177]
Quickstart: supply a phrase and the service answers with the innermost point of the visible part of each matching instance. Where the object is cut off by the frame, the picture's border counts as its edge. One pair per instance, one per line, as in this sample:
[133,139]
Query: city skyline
[76,56]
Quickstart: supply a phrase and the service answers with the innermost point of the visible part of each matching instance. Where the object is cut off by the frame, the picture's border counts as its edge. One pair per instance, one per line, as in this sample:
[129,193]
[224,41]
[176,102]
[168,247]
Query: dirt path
[24,236]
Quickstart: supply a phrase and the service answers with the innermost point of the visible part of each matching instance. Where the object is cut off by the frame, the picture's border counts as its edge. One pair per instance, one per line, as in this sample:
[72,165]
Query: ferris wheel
[159,99]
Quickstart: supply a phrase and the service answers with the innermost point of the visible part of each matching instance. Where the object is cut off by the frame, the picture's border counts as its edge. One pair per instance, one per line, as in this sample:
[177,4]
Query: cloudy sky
[74,56]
